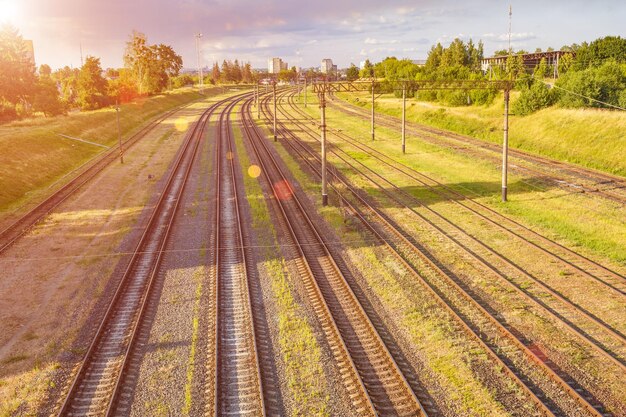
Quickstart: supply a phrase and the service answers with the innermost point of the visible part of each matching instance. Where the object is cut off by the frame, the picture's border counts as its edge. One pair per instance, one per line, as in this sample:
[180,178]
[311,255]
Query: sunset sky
[302,32]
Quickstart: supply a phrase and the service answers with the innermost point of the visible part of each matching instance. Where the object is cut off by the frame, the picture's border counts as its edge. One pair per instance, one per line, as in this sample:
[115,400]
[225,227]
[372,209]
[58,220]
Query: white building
[274,65]
[327,66]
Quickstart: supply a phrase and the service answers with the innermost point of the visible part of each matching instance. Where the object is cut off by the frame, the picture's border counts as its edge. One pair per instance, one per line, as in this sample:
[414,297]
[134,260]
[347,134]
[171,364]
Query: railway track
[407,251]
[98,385]
[609,342]
[562,174]
[23,224]
[613,280]
[238,382]
[374,380]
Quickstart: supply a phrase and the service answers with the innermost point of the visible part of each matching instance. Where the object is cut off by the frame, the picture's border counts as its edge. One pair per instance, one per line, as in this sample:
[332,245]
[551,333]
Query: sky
[302,32]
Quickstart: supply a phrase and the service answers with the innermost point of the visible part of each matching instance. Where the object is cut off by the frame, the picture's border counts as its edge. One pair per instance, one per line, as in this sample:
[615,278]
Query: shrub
[537,97]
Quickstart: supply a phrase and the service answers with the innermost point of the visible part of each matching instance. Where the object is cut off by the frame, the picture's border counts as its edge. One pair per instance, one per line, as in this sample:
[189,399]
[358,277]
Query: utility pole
[201,78]
[373,98]
[258,108]
[404,118]
[274,89]
[305,92]
[322,100]
[505,145]
[119,132]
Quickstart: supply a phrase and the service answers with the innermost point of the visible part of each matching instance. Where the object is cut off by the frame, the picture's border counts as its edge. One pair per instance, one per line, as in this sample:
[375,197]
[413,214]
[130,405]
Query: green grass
[22,394]
[590,225]
[430,331]
[34,157]
[198,277]
[300,352]
[587,137]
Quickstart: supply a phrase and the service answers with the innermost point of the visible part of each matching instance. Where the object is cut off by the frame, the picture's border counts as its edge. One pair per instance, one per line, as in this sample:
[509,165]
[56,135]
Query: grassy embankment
[450,359]
[587,137]
[590,225]
[301,356]
[34,157]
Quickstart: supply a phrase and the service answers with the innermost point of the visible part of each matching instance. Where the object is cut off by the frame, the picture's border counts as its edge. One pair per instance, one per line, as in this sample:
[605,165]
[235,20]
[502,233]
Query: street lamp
[198,36]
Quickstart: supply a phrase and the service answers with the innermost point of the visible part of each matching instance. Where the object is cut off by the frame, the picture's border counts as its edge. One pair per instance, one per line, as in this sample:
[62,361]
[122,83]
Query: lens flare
[181,124]
[254,171]
[283,190]
[8,11]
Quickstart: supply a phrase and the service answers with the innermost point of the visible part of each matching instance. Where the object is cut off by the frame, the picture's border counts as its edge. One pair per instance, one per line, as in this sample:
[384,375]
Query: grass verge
[450,362]
[34,157]
[588,137]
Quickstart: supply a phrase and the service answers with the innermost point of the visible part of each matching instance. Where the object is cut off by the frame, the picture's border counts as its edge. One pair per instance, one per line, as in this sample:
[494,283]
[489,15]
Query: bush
[7,112]
[46,98]
[604,83]
[622,99]
[537,97]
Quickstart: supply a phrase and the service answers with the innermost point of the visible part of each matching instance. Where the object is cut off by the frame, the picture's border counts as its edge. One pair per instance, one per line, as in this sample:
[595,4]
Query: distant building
[327,66]
[530,60]
[419,62]
[274,65]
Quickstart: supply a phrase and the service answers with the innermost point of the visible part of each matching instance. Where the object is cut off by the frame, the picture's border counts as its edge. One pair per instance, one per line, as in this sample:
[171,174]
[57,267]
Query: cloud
[504,37]
[372,41]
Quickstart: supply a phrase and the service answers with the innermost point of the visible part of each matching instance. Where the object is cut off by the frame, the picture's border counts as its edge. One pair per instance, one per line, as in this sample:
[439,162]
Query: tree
[226,73]
[600,51]
[183,80]
[137,59]
[17,70]
[287,75]
[92,87]
[352,73]
[152,66]
[247,76]
[537,97]
[541,69]
[46,98]
[604,84]
[123,88]
[67,78]
[215,73]
[45,70]
[368,70]
[236,74]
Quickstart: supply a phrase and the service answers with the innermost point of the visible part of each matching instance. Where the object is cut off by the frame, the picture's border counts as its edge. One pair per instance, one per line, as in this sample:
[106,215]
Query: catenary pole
[274,92]
[404,118]
[323,133]
[505,146]
[373,98]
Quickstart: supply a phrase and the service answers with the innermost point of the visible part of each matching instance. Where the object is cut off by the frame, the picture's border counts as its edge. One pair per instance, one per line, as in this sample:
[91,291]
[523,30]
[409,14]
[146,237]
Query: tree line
[590,75]
[24,89]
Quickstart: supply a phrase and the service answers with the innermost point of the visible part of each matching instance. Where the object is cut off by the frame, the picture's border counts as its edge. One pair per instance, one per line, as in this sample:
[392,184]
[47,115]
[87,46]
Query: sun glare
[8,11]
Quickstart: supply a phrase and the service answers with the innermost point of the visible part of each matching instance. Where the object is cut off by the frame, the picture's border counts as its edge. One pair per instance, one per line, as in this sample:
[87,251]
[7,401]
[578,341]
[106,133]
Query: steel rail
[582,334]
[22,225]
[243,376]
[333,286]
[433,264]
[116,339]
